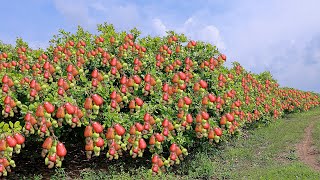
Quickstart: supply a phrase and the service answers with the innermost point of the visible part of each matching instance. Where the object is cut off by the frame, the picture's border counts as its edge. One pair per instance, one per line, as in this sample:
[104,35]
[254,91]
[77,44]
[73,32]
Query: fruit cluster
[127,94]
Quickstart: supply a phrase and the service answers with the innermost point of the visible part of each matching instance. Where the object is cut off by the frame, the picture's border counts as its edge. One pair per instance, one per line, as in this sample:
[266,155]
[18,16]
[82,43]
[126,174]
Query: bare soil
[307,152]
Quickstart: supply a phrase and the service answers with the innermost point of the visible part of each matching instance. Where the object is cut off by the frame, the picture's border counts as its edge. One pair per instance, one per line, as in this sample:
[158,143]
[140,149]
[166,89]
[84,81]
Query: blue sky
[281,36]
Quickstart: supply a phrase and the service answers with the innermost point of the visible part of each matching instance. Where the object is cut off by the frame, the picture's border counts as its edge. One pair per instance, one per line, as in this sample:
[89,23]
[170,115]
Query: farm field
[114,104]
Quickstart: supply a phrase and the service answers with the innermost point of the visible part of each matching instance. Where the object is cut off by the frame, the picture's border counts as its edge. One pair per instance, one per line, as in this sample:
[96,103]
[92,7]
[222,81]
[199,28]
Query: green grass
[266,152]
[316,137]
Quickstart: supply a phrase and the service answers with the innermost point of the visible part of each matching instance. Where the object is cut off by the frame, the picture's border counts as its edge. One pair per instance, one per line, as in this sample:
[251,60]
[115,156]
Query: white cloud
[98,6]
[211,34]
[159,27]
[266,37]
[194,29]
[75,11]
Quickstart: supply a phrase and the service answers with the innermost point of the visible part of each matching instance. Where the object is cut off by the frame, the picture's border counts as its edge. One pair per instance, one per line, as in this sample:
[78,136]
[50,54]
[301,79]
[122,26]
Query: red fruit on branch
[223,120]
[211,134]
[69,68]
[33,83]
[7,100]
[98,100]
[147,78]
[139,127]
[155,159]
[5,79]
[60,112]
[88,103]
[182,76]
[48,107]
[212,98]
[165,131]
[180,103]
[110,133]
[60,82]
[11,141]
[223,57]
[123,89]
[89,145]
[113,95]
[205,100]
[33,93]
[165,87]
[218,131]
[193,43]
[173,147]
[187,100]
[132,130]
[112,151]
[155,168]
[5,88]
[19,138]
[123,80]
[97,127]
[53,157]
[3,145]
[2,168]
[132,104]
[230,117]
[205,115]
[61,150]
[189,118]
[7,109]
[137,79]
[94,73]
[40,111]
[165,97]
[70,108]
[159,137]
[95,83]
[173,156]
[152,140]
[88,131]
[27,117]
[60,91]
[99,142]
[206,125]
[203,84]
[165,123]
[120,130]
[139,101]
[147,117]
[142,144]
[147,87]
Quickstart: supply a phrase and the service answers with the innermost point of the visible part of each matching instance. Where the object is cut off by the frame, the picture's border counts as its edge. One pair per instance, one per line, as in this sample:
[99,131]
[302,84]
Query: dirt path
[306,151]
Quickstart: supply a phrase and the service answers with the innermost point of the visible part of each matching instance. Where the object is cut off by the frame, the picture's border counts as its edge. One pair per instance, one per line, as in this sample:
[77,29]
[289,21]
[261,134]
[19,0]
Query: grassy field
[264,152]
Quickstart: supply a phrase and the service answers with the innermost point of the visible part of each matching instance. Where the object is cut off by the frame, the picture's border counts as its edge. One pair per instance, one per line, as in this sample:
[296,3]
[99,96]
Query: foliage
[129,94]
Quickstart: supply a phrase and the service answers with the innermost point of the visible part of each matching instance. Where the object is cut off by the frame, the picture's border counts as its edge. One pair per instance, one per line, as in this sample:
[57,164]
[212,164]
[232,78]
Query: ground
[307,151]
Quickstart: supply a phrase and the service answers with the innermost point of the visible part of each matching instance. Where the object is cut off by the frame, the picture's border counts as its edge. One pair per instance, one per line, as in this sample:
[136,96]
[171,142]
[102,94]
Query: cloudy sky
[281,36]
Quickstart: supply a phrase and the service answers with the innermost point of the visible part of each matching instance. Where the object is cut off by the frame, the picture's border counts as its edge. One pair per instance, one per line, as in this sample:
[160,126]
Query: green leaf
[18,128]
[83,79]
[24,108]
[17,124]
[5,127]
[1,124]
[11,124]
